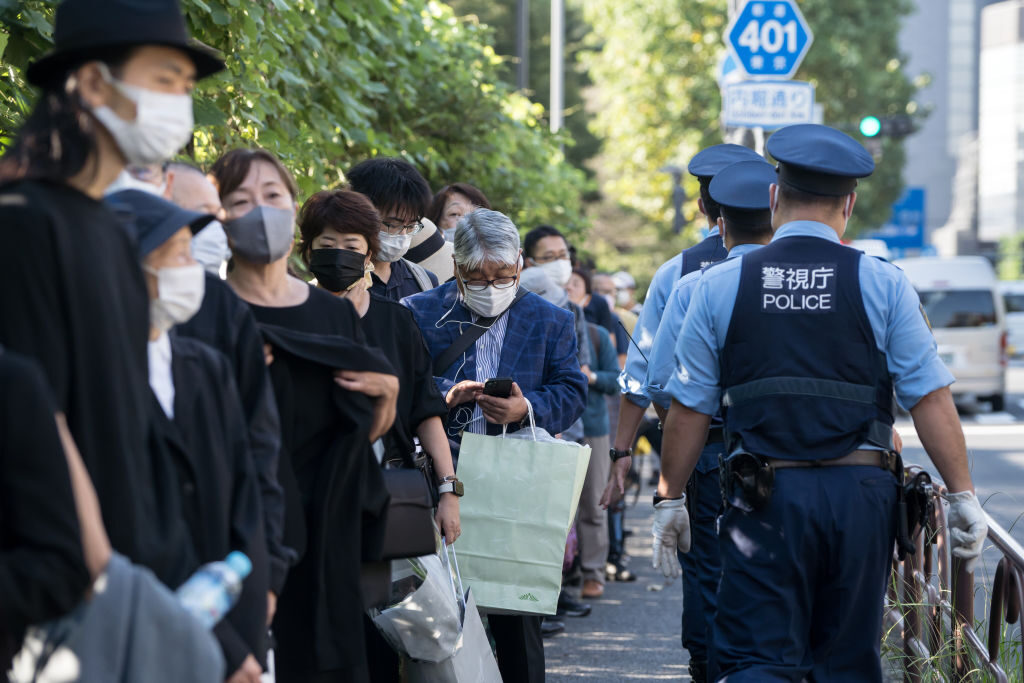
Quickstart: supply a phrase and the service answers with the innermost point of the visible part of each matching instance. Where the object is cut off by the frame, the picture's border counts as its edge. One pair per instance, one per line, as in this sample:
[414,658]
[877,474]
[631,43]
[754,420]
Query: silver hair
[485,236]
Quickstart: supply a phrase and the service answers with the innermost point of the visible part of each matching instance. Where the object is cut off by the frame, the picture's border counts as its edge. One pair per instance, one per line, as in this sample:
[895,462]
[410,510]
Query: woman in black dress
[335,396]
[338,229]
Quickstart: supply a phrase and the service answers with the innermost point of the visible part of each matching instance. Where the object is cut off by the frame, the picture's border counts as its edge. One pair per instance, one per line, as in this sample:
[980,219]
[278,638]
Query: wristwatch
[451,484]
[616,454]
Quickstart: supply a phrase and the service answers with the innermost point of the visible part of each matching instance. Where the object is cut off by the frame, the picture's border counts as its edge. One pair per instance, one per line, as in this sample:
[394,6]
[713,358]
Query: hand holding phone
[500,387]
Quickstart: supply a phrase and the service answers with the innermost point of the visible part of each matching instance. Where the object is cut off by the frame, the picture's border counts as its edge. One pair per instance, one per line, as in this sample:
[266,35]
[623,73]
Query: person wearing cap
[802,343]
[115,90]
[634,403]
[745,223]
[625,292]
[200,425]
[226,323]
[401,197]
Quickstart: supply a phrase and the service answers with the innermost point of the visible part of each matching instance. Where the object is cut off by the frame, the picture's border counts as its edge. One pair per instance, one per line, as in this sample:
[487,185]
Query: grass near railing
[939,665]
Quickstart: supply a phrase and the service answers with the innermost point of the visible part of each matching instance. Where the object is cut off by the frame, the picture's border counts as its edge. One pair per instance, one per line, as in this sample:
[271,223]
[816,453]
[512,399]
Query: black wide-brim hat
[86,29]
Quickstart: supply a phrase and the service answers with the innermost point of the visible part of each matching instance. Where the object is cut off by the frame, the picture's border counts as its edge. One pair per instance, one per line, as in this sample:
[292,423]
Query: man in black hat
[199,424]
[802,344]
[116,89]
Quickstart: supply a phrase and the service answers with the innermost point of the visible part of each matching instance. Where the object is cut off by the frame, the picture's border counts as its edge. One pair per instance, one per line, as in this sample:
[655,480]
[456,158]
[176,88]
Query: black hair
[58,138]
[791,196]
[393,185]
[586,276]
[537,234]
[747,226]
[711,208]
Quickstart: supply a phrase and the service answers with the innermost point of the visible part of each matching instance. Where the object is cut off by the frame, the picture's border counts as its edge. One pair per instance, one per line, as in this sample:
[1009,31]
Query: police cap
[741,189]
[710,161]
[819,160]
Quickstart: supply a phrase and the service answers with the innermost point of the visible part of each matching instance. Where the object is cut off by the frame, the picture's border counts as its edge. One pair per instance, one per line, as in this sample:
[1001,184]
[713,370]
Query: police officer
[741,191]
[634,404]
[802,343]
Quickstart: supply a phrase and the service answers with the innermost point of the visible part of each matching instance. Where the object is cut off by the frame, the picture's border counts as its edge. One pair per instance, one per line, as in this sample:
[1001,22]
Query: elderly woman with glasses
[527,339]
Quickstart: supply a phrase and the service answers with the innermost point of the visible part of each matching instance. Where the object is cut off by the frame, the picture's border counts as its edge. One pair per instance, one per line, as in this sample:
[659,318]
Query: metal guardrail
[935,618]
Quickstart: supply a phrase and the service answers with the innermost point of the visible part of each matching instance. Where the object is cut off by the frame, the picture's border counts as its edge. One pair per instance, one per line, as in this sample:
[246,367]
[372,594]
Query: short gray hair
[484,235]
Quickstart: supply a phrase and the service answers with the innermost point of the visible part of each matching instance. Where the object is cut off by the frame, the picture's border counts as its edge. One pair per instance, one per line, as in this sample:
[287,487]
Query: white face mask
[559,271]
[179,295]
[393,247]
[490,301]
[210,247]
[449,234]
[163,123]
[622,298]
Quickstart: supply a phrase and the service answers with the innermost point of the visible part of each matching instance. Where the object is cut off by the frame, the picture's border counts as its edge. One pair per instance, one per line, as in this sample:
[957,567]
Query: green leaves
[327,83]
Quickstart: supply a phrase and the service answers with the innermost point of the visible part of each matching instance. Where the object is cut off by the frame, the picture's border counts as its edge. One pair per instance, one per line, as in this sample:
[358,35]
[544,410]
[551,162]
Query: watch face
[459,489]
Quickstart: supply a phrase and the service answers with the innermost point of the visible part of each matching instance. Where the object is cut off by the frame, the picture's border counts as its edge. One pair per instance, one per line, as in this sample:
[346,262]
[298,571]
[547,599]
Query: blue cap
[239,563]
[152,219]
[819,160]
[743,185]
[710,161]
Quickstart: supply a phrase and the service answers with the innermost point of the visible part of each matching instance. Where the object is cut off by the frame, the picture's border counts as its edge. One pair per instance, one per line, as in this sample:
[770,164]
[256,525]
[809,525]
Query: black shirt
[390,327]
[72,297]
[401,283]
[42,569]
[227,324]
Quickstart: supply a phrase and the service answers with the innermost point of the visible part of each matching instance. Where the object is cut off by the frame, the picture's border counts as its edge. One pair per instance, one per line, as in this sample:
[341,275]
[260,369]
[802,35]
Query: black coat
[42,570]
[73,298]
[338,491]
[225,322]
[207,442]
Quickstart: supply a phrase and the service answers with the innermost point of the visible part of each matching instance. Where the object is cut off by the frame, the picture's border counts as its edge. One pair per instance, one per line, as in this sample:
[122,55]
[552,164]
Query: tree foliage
[326,83]
[659,99]
[501,16]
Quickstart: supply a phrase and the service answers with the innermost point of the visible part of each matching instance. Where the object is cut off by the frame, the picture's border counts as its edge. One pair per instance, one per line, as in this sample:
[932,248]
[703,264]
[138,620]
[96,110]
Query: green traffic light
[870,126]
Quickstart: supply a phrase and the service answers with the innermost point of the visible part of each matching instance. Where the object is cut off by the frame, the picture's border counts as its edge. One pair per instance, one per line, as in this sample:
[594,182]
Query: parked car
[963,303]
[1013,301]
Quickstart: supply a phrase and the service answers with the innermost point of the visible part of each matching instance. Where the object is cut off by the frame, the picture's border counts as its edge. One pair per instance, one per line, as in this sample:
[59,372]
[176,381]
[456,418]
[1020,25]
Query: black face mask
[337,269]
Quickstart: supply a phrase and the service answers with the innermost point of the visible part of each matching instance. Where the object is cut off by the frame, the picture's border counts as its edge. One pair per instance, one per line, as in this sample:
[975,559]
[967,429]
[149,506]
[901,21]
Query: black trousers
[519,646]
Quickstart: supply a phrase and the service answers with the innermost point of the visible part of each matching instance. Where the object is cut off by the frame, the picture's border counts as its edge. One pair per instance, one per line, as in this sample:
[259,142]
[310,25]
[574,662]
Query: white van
[961,297]
[1013,300]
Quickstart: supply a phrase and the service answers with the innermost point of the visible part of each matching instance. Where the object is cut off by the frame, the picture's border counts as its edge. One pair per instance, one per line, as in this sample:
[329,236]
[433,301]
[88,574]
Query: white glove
[671,530]
[967,527]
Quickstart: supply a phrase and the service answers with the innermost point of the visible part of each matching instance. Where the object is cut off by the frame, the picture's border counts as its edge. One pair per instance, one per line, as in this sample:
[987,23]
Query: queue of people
[231,388]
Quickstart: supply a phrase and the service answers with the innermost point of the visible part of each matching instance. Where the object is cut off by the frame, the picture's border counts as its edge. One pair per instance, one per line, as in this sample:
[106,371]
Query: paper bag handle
[460,594]
[533,421]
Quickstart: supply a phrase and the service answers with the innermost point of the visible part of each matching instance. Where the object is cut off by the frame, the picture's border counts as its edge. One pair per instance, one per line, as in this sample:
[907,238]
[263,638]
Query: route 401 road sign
[769,38]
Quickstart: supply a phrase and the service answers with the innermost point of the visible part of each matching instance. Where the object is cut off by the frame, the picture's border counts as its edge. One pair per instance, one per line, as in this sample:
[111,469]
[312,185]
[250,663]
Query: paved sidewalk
[633,634]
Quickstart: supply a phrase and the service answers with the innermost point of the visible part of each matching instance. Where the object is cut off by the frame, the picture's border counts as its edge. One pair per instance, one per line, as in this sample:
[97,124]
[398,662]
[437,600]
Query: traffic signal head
[870,126]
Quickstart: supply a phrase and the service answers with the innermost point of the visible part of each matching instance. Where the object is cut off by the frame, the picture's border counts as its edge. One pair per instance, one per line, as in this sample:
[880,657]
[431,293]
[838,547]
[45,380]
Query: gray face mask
[263,235]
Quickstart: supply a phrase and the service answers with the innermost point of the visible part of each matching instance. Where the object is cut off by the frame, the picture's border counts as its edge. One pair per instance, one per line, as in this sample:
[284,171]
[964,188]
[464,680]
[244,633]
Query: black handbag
[409,528]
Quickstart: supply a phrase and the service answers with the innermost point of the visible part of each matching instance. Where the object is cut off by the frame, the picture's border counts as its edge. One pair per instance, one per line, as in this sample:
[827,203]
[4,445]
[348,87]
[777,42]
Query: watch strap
[616,454]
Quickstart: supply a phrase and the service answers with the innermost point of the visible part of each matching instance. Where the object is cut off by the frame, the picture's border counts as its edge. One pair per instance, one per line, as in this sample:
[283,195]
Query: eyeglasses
[400,229]
[497,283]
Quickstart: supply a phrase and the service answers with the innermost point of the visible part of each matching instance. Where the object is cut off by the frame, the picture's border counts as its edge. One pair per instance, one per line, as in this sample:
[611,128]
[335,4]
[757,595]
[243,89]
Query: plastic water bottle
[213,590]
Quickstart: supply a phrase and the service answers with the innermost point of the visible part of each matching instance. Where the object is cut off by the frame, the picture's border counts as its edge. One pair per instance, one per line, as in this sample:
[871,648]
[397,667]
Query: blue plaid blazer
[539,353]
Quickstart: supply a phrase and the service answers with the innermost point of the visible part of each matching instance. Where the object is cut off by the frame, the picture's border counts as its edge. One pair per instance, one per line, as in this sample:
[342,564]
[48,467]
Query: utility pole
[557,64]
[523,44]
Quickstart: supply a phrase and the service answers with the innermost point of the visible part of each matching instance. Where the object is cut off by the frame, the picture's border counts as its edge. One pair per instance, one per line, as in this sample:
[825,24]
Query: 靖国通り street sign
[769,38]
[767,104]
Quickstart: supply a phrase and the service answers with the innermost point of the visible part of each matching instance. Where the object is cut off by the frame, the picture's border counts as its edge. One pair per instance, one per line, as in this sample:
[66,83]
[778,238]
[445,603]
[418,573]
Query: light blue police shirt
[662,358]
[893,310]
[633,378]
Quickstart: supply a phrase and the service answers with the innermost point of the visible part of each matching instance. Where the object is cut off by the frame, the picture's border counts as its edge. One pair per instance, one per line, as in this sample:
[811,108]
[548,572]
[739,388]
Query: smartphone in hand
[501,387]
